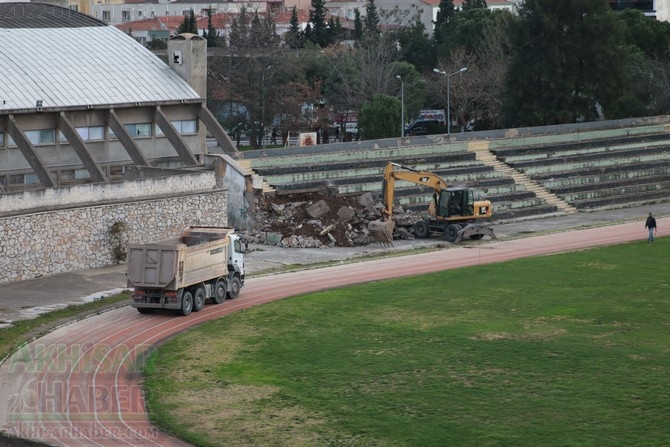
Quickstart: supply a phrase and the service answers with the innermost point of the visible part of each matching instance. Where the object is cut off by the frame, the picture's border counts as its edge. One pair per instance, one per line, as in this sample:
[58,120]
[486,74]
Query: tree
[444,12]
[473,4]
[649,67]
[257,82]
[211,34]
[371,17]
[357,74]
[358,25]
[189,25]
[415,88]
[415,46]
[318,31]
[293,37]
[566,64]
[380,117]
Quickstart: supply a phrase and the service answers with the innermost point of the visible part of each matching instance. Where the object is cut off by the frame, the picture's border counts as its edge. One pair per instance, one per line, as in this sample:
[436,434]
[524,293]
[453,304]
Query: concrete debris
[321,219]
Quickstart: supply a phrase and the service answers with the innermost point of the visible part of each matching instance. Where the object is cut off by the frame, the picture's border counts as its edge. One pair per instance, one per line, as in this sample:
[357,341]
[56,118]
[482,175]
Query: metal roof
[78,66]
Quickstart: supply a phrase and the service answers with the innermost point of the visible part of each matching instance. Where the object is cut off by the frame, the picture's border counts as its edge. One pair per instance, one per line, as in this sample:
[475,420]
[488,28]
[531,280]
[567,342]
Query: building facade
[81,101]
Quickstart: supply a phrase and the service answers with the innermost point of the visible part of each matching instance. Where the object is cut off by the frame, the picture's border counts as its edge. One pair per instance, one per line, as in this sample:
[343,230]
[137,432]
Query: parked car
[425,127]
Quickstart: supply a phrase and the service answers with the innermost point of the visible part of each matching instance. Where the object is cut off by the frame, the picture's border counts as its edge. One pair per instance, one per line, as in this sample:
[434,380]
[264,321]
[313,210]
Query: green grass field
[564,350]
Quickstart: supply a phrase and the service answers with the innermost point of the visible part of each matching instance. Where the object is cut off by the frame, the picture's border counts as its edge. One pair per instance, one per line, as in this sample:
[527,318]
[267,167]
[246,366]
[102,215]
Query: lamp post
[449,75]
[263,105]
[402,107]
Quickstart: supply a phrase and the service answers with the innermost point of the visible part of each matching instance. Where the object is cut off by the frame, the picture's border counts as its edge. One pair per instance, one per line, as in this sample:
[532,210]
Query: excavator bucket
[475,231]
[382,231]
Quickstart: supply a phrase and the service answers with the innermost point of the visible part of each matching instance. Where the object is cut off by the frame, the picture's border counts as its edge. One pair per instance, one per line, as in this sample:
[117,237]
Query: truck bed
[199,255]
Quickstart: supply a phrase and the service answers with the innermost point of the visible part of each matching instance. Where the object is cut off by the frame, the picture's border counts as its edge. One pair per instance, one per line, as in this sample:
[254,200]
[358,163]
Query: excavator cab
[454,202]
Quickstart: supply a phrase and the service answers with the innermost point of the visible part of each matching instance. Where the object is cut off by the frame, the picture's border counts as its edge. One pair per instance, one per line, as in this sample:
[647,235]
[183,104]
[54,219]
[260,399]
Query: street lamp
[449,75]
[263,105]
[402,107]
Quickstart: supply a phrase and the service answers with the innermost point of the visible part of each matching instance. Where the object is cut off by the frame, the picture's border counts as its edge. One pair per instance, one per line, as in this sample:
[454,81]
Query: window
[81,174]
[23,179]
[92,133]
[125,16]
[186,126]
[2,139]
[31,179]
[106,16]
[66,175]
[183,127]
[139,130]
[42,136]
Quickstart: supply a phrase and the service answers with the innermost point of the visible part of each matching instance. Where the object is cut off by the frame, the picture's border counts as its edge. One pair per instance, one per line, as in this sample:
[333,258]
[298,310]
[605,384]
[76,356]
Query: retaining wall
[79,234]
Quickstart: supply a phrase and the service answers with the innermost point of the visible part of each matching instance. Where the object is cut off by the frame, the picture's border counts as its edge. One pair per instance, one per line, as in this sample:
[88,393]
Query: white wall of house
[115,14]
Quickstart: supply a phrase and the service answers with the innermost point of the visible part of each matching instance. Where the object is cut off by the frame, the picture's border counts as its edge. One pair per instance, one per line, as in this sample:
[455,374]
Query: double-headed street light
[449,75]
[402,107]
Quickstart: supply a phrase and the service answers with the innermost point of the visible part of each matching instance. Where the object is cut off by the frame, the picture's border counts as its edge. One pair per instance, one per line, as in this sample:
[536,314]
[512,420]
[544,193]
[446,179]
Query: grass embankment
[22,331]
[560,350]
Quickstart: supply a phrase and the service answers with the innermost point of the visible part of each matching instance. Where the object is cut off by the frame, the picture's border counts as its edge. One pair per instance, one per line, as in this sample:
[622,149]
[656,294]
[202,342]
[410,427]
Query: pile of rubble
[321,219]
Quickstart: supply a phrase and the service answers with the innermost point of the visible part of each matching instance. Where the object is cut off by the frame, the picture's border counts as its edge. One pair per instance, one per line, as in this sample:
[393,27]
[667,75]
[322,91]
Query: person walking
[651,225]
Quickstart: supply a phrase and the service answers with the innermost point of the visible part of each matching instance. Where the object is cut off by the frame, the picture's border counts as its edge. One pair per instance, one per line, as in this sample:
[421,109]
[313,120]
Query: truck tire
[219,291]
[146,310]
[451,233]
[199,299]
[421,229]
[186,303]
[235,286]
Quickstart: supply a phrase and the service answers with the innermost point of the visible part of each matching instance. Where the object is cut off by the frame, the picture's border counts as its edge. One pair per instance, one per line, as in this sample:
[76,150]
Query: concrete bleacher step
[484,155]
[258,183]
[576,148]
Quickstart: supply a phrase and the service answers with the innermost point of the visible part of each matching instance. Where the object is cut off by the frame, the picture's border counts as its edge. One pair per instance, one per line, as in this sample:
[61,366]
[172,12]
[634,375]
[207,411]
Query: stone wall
[75,237]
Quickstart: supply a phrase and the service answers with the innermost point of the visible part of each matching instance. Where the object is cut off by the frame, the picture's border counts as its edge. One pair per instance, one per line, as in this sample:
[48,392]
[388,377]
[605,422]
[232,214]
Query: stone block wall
[81,237]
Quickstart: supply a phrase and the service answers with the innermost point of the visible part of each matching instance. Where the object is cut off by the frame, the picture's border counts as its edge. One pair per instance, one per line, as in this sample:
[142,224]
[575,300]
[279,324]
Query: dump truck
[453,213]
[181,273]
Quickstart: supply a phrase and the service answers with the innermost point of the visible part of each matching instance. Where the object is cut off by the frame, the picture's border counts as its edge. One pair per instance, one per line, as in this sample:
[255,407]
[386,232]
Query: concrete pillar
[187,55]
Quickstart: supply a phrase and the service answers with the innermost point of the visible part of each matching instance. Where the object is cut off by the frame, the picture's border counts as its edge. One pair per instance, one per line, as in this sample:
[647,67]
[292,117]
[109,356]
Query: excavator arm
[428,179]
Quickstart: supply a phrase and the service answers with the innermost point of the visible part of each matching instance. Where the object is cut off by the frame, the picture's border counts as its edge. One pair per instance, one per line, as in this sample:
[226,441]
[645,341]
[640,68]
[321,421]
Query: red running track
[80,385]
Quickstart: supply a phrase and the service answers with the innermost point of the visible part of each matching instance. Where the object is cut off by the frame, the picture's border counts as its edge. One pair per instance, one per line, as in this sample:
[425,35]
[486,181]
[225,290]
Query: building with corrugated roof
[81,101]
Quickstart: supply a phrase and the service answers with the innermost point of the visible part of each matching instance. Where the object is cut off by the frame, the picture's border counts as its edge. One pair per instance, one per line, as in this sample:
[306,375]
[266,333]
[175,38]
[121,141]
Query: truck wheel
[235,286]
[219,291]
[421,229]
[199,299]
[451,233]
[186,303]
[145,310]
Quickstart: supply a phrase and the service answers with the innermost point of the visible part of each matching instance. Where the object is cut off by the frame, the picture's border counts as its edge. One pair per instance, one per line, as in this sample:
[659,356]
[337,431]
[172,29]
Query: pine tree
[573,72]
[358,25]
[474,4]
[293,37]
[211,34]
[189,25]
[444,13]
[319,28]
[371,17]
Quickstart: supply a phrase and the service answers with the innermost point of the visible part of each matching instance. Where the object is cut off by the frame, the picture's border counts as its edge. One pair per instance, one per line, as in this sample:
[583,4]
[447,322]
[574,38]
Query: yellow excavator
[453,213]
